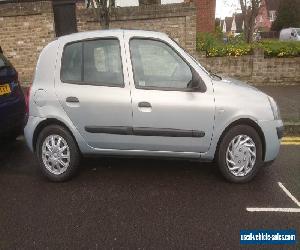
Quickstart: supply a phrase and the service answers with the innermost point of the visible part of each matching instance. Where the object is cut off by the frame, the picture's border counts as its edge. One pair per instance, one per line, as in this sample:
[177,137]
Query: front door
[93,93]
[167,115]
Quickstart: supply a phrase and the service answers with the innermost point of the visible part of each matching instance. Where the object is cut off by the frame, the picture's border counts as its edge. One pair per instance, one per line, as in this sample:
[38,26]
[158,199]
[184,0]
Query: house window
[272,15]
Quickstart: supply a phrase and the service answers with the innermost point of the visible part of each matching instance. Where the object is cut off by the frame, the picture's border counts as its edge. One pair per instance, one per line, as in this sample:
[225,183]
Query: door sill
[135,152]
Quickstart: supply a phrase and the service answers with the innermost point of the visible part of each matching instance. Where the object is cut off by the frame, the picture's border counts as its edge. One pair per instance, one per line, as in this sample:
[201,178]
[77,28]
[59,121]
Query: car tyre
[241,146]
[57,153]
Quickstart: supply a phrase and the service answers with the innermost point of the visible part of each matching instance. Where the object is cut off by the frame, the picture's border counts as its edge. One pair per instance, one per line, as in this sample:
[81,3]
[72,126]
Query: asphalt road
[140,204]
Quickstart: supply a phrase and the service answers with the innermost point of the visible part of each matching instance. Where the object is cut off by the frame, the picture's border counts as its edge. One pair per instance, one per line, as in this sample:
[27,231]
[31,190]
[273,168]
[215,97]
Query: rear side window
[3,61]
[93,62]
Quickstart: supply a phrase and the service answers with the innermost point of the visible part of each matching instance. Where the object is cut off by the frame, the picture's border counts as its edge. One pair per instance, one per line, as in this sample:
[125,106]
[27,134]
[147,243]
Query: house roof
[228,21]
[272,4]
[239,20]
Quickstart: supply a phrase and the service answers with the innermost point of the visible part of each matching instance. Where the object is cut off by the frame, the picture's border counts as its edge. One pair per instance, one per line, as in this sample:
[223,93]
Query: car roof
[110,32]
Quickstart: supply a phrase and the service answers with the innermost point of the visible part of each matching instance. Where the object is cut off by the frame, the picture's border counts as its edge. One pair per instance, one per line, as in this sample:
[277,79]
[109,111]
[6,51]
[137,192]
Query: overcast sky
[224,7]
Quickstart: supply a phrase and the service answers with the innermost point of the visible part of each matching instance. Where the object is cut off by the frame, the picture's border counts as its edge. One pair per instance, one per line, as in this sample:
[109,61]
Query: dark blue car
[12,101]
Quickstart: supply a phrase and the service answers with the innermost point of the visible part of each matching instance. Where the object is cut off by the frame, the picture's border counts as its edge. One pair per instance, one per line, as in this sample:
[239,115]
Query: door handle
[72,99]
[144,105]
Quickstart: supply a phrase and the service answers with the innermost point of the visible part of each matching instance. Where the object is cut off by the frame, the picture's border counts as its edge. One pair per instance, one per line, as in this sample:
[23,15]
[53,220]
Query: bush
[214,46]
[275,48]
[230,50]
[205,41]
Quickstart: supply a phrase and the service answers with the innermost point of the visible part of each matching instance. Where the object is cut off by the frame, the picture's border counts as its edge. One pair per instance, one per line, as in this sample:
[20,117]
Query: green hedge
[275,48]
[213,46]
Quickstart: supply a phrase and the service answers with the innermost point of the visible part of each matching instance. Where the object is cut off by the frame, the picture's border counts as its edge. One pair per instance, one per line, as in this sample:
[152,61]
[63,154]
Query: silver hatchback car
[137,93]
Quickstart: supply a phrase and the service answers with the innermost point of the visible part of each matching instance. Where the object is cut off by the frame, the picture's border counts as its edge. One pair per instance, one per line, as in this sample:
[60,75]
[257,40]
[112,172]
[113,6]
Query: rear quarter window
[71,63]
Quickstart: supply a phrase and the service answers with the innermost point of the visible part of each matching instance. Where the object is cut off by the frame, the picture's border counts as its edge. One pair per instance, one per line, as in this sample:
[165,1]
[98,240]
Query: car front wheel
[57,153]
[239,156]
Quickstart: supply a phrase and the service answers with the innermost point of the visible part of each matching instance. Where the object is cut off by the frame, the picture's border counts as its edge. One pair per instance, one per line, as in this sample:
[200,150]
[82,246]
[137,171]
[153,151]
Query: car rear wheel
[57,153]
[239,155]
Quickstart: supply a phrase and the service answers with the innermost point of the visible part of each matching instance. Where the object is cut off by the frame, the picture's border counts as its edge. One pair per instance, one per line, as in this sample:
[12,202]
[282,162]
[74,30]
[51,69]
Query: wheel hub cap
[56,154]
[241,155]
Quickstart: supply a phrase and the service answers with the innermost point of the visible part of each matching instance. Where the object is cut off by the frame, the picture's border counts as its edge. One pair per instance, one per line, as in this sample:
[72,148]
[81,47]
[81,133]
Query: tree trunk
[249,12]
[104,18]
[102,11]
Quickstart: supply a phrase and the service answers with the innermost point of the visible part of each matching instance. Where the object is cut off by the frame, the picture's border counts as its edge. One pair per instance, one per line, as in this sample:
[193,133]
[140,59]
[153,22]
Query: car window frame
[81,82]
[193,71]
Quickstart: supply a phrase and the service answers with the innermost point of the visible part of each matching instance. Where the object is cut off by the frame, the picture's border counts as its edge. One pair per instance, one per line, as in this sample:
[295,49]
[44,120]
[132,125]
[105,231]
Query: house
[267,15]
[239,23]
[233,25]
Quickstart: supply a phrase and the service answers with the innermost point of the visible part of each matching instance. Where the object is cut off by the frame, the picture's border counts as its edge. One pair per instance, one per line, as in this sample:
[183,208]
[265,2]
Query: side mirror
[196,83]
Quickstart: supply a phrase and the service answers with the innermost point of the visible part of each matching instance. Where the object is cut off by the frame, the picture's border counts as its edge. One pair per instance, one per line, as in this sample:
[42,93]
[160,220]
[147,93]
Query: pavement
[141,204]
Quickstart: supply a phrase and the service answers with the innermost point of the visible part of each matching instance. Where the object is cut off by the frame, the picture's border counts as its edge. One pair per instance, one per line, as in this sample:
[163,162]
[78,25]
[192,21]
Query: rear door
[94,93]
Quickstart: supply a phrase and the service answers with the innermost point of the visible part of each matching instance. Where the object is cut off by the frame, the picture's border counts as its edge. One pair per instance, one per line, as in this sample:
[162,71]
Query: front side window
[94,62]
[157,65]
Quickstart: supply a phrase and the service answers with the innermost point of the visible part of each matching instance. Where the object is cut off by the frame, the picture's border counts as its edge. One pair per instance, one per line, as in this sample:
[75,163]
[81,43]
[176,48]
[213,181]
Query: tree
[102,10]
[250,10]
[288,15]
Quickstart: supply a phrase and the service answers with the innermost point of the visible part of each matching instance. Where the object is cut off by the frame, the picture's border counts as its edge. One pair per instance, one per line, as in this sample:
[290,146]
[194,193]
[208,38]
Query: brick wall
[177,20]
[25,28]
[206,10]
[256,69]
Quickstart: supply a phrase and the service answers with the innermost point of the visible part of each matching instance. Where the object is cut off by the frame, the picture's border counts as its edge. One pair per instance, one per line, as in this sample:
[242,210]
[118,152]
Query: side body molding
[166,132]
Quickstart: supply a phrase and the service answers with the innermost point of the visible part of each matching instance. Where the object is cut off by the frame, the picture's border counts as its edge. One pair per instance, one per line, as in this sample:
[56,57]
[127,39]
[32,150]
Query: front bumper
[280,131]
[12,117]
[273,132]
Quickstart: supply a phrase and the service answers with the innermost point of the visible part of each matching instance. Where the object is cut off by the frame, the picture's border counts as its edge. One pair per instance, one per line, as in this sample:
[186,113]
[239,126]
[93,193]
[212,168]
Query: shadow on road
[16,158]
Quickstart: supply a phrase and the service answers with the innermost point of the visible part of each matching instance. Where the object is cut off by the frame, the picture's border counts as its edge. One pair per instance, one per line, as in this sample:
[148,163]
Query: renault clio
[138,93]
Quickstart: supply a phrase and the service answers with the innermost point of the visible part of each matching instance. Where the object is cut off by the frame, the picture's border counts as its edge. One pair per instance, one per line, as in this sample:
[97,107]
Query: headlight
[275,109]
